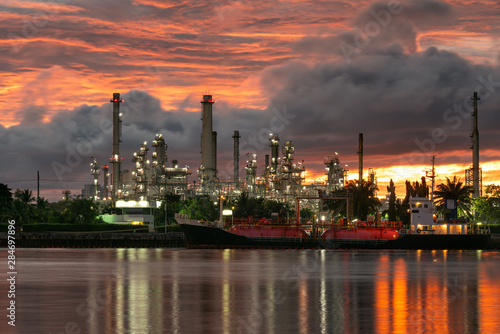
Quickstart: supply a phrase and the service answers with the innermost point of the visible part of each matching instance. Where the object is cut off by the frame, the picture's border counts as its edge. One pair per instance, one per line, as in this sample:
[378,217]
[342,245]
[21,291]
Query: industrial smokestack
[207,138]
[214,157]
[360,153]
[236,154]
[475,149]
[115,159]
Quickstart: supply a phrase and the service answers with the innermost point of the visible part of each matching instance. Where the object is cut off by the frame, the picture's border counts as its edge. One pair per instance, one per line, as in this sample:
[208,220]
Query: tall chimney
[360,153]
[115,159]
[475,148]
[214,155]
[207,144]
[236,154]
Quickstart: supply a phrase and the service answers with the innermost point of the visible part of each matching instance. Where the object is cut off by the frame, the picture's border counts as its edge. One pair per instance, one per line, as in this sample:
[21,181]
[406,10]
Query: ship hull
[200,236]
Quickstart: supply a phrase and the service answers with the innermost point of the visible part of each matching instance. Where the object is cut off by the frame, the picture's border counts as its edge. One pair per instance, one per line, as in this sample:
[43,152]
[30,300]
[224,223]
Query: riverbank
[95,240]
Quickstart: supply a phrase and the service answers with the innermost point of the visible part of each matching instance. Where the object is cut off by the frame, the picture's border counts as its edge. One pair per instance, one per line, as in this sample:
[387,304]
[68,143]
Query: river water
[253,291]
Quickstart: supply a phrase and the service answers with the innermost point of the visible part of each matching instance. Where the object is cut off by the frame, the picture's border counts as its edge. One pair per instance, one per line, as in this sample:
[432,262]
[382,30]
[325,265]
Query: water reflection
[257,291]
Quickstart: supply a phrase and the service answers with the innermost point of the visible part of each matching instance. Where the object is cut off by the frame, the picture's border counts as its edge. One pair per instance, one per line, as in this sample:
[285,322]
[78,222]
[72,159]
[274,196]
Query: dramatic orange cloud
[63,58]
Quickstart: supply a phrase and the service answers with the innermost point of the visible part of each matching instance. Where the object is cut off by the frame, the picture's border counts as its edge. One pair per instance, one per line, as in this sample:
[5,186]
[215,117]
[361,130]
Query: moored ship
[425,232]
[259,234]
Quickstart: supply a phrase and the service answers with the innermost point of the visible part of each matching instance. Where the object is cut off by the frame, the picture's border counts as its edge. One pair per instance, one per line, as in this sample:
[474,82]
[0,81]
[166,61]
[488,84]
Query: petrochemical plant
[151,179]
[282,178]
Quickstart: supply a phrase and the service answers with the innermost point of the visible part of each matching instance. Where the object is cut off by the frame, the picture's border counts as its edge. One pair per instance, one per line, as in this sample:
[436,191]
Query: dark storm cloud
[403,102]
[62,148]
[380,25]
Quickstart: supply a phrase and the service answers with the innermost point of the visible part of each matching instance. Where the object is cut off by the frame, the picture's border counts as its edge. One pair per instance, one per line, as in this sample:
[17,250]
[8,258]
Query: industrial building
[281,178]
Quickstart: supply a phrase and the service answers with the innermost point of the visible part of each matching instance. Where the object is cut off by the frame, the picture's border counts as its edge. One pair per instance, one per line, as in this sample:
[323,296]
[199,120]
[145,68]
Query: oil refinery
[152,177]
[280,178]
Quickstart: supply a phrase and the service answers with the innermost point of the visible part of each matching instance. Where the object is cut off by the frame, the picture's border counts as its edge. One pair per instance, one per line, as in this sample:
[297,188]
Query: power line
[32,180]
[50,180]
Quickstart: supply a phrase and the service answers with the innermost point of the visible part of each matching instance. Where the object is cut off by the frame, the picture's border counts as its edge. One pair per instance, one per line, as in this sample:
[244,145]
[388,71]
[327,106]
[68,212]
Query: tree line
[22,206]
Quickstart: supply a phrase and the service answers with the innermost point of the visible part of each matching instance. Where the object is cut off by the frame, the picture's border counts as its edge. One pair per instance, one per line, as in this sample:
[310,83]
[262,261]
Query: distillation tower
[95,171]
[105,170]
[290,174]
[159,157]
[251,173]
[335,173]
[139,174]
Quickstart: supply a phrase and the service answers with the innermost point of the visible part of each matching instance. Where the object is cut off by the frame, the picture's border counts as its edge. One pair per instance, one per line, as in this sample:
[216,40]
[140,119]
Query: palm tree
[363,197]
[456,190]
[24,195]
[392,210]
[21,206]
[338,207]
[5,201]
[42,211]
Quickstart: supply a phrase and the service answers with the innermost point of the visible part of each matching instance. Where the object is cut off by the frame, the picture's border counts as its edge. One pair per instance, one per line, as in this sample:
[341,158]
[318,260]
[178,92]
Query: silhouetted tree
[5,195]
[337,206]
[81,211]
[392,210]
[42,212]
[201,208]
[5,202]
[364,200]
[174,205]
[454,189]
[24,195]
[488,207]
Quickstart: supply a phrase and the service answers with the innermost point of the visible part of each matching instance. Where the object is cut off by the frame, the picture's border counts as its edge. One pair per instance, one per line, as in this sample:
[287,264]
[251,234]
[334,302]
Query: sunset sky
[315,72]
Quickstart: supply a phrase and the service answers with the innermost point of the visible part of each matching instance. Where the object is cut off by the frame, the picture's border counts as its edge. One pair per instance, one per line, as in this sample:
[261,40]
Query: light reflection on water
[255,291]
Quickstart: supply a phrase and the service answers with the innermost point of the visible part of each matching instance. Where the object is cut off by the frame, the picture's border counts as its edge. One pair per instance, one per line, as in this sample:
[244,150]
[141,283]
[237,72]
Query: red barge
[425,232]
